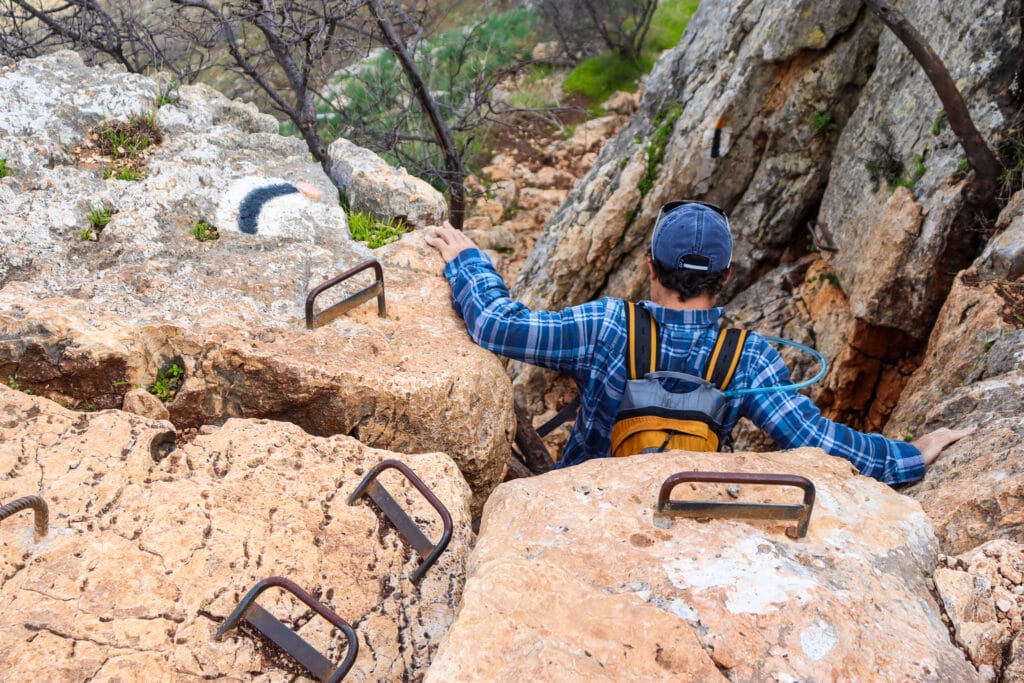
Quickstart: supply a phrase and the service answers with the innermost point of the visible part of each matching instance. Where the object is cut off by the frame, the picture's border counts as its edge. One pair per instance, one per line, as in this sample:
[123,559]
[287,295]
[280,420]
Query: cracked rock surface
[149,550]
[592,586]
[84,322]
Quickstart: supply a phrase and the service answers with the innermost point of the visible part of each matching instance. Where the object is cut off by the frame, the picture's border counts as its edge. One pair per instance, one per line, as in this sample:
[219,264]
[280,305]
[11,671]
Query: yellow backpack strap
[642,341]
[725,357]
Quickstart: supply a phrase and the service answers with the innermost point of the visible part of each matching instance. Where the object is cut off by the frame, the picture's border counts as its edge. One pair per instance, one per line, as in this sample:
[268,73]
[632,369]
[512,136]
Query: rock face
[84,322]
[726,117]
[983,594]
[370,184]
[895,253]
[149,550]
[588,585]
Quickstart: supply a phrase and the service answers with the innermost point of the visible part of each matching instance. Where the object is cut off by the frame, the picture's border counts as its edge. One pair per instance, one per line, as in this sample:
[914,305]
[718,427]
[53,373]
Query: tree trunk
[452,158]
[987,168]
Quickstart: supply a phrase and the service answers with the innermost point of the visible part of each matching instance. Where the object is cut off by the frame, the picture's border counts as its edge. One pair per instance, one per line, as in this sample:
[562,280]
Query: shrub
[204,232]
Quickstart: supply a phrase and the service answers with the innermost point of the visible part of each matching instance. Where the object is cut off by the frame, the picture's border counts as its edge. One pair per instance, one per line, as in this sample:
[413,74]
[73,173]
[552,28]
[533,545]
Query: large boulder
[896,254]
[86,321]
[150,549]
[727,116]
[573,576]
[370,184]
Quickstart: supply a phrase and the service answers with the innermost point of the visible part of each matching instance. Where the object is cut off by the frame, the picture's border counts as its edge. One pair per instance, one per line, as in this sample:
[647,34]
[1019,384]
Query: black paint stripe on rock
[249,209]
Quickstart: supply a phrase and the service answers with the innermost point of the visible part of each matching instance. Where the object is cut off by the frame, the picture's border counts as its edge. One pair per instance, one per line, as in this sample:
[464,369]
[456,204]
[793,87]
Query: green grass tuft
[99,216]
[376,233]
[3,169]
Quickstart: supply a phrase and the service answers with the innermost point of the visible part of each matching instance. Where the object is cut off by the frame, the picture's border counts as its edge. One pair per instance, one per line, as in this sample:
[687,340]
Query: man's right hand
[448,241]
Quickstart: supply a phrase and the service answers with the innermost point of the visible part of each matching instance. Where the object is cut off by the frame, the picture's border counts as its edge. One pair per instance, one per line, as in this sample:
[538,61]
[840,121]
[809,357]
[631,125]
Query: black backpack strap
[642,352]
[725,357]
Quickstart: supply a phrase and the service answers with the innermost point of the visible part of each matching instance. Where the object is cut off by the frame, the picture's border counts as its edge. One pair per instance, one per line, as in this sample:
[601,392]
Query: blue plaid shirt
[588,343]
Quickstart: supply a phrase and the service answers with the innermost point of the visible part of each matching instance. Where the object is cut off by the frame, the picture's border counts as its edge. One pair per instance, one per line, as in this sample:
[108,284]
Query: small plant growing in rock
[168,94]
[3,168]
[376,233]
[167,382]
[13,384]
[204,232]
[122,174]
[822,123]
[99,217]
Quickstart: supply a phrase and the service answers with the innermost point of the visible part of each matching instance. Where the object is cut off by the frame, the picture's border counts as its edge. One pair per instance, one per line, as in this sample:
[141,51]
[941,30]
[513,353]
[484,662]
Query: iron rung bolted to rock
[427,551]
[725,510]
[38,505]
[285,638]
[376,289]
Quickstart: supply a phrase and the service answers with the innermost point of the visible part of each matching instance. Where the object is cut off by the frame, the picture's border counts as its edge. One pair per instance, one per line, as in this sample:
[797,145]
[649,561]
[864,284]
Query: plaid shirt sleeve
[793,420]
[562,340]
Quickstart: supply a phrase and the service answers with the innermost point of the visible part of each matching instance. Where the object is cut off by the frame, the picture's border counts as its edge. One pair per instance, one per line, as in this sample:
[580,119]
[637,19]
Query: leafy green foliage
[597,78]
[370,96]
[204,232]
[3,168]
[167,383]
[669,22]
[13,384]
[366,228]
[663,122]
[822,123]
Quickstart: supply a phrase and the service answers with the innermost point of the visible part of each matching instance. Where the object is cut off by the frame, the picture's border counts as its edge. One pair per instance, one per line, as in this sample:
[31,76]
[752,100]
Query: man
[688,262]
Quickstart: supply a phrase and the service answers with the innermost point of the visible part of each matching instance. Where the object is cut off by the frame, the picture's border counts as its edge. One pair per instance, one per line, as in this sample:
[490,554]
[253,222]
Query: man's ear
[728,274]
[650,268]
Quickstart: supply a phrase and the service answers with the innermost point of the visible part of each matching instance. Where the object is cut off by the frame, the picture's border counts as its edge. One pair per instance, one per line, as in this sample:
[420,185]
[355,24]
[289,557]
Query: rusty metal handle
[331,312]
[285,638]
[42,512]
[427,551]
[721,510]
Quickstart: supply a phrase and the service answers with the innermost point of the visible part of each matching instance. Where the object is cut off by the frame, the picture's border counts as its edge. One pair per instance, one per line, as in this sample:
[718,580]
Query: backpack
[653,419]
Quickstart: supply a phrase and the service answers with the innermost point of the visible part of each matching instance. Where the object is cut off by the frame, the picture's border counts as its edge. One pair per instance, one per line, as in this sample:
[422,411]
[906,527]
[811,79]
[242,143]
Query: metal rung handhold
[285,638]
[331,312]
[725,509]
[38,505]
[406,527]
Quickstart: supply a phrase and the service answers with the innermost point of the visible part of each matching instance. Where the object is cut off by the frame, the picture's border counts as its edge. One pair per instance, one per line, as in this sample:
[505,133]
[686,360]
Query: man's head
[691,248]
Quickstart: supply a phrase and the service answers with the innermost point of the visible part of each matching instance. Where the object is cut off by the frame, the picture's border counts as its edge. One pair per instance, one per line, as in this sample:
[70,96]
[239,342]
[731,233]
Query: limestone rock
[983,593]
[899,129]
[971,376]
[1003,257]
[374,186]
[571,577]
[145,559]
[145,404]
[81,321]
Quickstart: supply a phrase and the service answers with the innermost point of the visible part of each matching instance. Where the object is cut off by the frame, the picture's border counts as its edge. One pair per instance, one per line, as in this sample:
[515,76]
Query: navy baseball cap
[692,235]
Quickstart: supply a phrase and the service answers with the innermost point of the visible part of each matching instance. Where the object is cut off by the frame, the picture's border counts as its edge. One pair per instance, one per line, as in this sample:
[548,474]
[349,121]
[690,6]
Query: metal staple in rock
[42,512]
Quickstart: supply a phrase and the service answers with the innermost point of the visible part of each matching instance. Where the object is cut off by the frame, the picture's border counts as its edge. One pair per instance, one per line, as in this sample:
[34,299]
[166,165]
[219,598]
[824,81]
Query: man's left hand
[933,443]
[448,241]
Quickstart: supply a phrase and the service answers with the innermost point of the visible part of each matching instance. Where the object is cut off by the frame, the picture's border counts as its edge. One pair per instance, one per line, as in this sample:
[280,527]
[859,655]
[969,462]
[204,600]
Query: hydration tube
[786,387]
